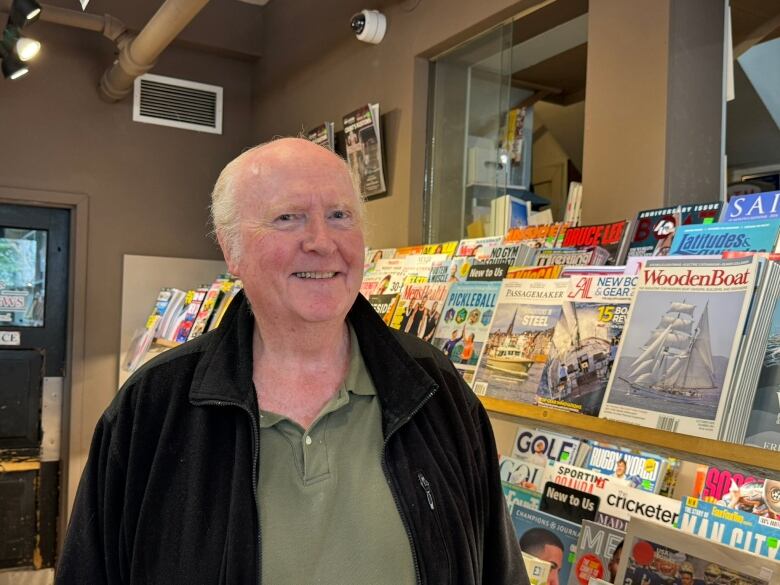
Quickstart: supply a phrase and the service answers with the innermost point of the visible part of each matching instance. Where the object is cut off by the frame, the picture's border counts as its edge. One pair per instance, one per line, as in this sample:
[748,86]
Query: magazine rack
[759,461]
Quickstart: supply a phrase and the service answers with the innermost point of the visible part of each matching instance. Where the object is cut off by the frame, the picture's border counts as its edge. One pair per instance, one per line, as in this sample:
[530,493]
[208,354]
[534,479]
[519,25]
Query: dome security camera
[369,26]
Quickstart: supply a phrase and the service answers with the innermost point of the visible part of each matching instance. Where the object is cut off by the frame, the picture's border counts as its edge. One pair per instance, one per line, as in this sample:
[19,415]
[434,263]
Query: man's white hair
[224,208]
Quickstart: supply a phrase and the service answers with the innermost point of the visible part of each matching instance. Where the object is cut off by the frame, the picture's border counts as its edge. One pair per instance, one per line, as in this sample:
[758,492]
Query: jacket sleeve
[502,559]
[91,552]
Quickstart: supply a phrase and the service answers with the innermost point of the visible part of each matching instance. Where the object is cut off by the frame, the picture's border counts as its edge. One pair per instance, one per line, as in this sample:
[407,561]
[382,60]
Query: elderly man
[302,441]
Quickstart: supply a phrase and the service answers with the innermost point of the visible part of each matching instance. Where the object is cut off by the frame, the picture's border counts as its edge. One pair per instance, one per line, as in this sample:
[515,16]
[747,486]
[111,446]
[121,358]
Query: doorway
[35,259]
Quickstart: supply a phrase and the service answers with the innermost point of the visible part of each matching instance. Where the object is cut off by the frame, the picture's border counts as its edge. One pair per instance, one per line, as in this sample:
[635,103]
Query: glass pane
[753,117]
[508,118]
[470,100]
[22,277]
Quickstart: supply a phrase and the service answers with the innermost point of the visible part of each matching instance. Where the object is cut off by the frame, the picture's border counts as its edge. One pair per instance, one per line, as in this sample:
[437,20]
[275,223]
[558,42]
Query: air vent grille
[179,103]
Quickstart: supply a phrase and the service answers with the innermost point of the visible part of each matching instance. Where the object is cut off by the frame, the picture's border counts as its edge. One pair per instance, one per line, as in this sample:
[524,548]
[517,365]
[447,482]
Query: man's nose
[318,237]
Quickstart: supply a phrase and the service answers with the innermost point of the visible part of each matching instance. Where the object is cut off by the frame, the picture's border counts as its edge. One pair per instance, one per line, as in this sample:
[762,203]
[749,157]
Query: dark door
[34,263]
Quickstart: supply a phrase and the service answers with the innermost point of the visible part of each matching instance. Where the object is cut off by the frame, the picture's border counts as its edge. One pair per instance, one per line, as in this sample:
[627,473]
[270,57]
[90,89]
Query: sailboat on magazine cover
[676,362]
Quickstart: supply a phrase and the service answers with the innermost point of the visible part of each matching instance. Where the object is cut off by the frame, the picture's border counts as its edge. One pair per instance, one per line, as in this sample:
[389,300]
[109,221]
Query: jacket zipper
[426,486]
[391,482]
[256,453]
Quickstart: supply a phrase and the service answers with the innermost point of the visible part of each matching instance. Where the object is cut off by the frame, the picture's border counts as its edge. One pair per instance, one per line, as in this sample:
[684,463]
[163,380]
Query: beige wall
[394,74]
[147,185]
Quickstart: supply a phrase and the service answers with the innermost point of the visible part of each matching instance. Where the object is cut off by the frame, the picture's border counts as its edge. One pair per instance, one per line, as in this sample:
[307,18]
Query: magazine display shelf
[759,461]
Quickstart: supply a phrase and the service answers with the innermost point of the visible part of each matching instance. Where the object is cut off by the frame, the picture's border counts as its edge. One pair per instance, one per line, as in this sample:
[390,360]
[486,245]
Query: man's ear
[227,252]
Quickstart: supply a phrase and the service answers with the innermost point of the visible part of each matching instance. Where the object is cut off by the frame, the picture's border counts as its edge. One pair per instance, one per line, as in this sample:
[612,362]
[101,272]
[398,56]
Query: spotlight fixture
[24,12]
[26,48]
[12,67]
[14,48]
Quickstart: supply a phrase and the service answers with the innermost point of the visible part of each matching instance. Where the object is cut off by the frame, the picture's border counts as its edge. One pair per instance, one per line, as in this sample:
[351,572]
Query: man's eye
[340,214]
[285,217]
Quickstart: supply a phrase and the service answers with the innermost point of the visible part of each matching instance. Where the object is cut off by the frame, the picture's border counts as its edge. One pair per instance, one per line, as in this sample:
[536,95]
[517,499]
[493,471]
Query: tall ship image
[508,357]
[676,362]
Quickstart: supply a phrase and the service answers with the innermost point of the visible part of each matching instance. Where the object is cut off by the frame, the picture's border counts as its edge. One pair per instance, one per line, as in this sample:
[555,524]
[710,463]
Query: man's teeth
[315,274]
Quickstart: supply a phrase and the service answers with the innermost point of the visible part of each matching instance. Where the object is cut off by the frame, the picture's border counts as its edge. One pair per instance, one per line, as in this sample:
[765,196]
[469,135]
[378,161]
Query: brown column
[654,105]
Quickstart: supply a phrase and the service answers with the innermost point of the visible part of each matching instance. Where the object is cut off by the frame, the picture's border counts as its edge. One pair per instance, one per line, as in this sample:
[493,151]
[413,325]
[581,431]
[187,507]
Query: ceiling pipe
[109,26]
[138,56]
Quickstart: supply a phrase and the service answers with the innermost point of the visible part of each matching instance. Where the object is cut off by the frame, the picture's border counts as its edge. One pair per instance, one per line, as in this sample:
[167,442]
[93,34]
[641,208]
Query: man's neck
[297,370]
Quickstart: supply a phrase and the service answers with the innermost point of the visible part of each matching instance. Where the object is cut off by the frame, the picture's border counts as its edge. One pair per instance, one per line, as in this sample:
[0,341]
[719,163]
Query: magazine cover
[166,326]
[364,150]
[143,336]
[654,228]
[219,312]
[447,248]
[192,302]
[570,271]
[520,496]
[644,472]
[578,372]
[772,496]
[477,247]
[612,237]
[619,502]
[759,535]
[384,305]
[571,256]
[419,309]
[422,264]
[753,206]
[717,238]
[763,428]
[440,270]
[537,236]
[654,554]
[322,135]
[522,332]
[674,365]
[405,251]
[213,296]
[387,277]
[497,265]
[463,327]
[548,538]
[470,250]
[374,255]
[723,486]
[521,472]
[538,570]
[535,271]
[598,554]
[539,447]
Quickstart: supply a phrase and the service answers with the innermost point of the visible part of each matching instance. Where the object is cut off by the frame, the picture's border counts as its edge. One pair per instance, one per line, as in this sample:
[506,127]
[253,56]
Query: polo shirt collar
[224,374]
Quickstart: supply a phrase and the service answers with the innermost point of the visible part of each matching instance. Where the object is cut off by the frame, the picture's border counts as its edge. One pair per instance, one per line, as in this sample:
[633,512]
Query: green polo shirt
[327,515]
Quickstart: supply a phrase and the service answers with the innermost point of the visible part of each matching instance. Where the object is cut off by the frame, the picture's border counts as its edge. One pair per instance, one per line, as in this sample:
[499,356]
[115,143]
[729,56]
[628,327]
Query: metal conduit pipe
[139,55]
[109,26]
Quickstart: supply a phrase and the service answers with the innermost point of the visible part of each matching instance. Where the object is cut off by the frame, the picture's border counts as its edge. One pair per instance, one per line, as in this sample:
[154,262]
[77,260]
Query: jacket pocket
[429,496]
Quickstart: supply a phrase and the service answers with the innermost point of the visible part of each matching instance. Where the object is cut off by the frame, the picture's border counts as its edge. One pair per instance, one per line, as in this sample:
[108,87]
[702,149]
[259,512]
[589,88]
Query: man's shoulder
[435,363]
[165,377]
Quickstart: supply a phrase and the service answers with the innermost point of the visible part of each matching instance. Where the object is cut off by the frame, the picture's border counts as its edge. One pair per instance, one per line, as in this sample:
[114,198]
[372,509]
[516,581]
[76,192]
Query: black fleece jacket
[168,495]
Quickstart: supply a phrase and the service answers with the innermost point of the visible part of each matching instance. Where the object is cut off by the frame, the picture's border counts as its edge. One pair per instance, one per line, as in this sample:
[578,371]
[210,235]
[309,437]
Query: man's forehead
[293,156]
[277,174]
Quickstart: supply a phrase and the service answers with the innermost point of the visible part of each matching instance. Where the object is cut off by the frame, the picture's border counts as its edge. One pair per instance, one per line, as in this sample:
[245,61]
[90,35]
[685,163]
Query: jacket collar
[224,374]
